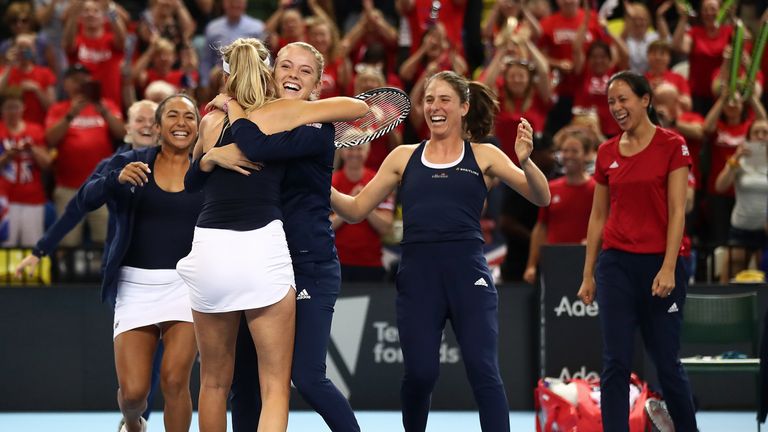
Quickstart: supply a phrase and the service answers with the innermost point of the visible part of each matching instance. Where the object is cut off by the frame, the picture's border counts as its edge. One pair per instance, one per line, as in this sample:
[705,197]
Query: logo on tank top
[614,165]
[555,199]
[440,176]
[316,125]
[467,170]
[481,282]
[303,295]
[685,151]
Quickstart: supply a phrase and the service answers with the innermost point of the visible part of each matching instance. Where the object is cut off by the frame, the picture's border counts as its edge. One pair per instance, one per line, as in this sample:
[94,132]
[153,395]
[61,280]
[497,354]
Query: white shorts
[150,297]
[237,270]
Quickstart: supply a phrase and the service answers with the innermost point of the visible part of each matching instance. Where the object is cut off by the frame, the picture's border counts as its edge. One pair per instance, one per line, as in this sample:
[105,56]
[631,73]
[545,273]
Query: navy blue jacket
[306,188]
[72,215]
[103,188]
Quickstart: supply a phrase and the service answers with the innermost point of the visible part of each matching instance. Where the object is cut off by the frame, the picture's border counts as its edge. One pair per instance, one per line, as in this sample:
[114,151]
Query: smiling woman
[443,184]
[154,222]
[638,213]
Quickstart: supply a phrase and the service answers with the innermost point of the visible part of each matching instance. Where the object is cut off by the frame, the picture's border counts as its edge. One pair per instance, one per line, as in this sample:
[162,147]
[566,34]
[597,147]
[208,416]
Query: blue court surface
[303,421]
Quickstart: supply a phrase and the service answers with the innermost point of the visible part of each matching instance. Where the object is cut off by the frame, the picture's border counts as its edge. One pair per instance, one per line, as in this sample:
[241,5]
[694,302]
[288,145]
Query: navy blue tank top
[442,203]
[239,202]
[163,227]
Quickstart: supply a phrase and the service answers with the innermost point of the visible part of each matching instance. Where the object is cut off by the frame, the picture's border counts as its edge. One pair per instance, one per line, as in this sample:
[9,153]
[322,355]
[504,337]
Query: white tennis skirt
[149,297]
[237,270]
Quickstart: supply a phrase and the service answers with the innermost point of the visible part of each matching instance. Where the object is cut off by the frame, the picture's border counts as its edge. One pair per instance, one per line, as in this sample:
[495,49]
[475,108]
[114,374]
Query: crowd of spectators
[69,69]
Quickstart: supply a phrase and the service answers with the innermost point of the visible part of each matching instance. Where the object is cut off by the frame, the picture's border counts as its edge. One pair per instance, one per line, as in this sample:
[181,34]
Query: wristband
[733,162]
[69,117]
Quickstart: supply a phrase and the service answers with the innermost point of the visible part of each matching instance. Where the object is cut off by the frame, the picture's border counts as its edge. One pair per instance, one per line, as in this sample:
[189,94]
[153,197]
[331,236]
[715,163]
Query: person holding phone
[747,172]
[82,129]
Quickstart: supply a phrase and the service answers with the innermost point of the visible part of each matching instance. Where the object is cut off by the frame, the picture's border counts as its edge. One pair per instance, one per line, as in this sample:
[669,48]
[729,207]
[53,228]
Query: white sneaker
[659,416]
[141,421]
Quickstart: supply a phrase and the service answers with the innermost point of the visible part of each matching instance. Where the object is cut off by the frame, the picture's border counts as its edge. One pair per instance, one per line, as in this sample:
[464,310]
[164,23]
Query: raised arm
[529,181]
[681,42]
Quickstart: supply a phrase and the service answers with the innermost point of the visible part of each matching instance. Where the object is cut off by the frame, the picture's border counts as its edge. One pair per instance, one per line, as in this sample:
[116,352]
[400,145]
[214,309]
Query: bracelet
[733,163]
[225,106]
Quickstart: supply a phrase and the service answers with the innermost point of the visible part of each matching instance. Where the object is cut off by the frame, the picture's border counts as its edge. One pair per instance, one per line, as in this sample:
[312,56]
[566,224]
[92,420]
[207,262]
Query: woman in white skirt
[155,221]
[240,259]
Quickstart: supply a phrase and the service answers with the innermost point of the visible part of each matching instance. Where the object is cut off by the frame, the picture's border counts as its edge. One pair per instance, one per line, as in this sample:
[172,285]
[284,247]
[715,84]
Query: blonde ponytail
[250,79]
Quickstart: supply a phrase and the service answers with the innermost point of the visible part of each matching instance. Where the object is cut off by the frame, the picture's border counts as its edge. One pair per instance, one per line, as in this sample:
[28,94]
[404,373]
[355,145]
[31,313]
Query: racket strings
[387,109]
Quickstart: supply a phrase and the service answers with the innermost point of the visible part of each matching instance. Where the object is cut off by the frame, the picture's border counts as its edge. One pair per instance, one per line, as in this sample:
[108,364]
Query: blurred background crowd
[71,72]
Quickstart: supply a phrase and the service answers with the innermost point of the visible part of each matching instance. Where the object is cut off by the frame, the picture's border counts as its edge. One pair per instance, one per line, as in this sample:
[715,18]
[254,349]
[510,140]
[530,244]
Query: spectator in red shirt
[703,44]
[323,34]
[418,13]
[372,30]
[286,25]
[659,57]
[96,45]
[592,71]
[82,129]
[558,34]
[359,244]
[505,12]
[435,49]
[157,64]
[565,219]
[37,82]
[23,157]
[521,81]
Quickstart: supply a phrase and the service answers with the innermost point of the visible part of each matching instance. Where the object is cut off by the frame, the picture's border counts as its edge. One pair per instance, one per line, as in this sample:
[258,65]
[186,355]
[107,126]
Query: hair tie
[225,66]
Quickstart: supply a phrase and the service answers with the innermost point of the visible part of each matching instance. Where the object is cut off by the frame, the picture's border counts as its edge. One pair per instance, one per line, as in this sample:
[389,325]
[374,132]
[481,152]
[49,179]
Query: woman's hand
[219,101]
[663,283]
[524,141]
[134,173]
[232,158]
[530,274]
[587,291]
[29,262]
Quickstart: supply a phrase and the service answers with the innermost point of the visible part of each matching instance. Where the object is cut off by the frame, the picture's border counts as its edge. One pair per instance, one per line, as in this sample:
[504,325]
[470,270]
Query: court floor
[303,421]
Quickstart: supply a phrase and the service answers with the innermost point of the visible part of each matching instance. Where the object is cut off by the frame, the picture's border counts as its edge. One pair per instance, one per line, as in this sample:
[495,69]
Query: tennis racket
[388,107]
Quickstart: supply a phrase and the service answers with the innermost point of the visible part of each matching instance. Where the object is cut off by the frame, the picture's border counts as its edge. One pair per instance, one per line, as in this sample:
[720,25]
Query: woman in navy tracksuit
[154,221]
[638,213]
[443,273]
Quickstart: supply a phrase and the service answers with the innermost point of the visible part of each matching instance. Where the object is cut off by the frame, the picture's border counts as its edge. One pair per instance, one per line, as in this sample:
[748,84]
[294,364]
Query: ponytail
[250,79]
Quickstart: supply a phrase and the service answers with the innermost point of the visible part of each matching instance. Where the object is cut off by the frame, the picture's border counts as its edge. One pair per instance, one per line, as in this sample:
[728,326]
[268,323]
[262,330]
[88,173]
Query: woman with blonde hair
[240,260]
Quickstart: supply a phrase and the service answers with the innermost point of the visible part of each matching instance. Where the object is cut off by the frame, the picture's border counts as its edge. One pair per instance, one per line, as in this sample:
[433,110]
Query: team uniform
[153,230]
[634,243]
[239,258]
[443,274]
[567,215]
[305,200]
